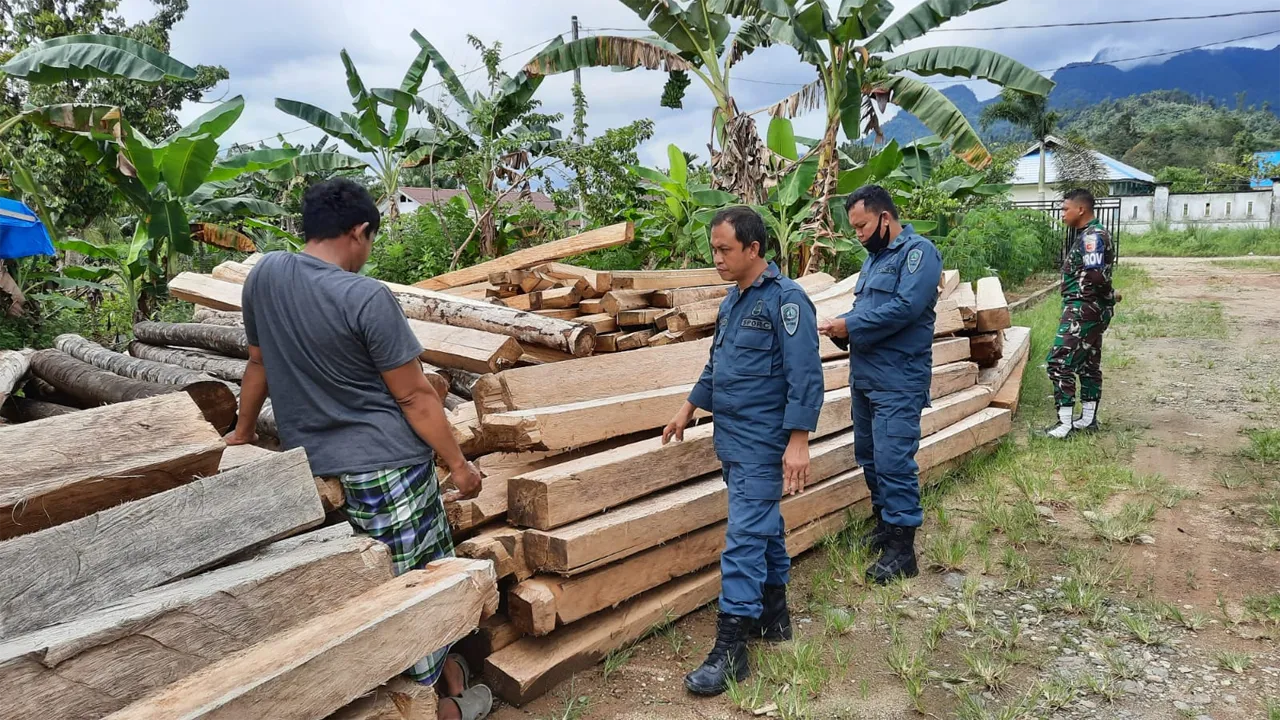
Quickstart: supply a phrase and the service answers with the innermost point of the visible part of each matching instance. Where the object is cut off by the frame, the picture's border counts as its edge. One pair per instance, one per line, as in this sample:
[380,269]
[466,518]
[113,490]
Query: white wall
[1208,210]
[1031,193]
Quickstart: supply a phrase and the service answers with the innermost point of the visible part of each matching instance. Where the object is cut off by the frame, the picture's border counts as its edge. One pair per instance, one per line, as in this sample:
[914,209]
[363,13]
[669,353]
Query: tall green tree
[1030,113]
[693,38]
[847,45]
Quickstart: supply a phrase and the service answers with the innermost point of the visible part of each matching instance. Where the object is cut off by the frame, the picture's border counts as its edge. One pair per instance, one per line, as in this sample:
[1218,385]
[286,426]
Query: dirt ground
[1133,574]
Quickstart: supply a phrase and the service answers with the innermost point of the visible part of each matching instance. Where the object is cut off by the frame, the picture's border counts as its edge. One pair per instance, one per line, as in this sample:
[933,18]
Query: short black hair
[747,224]
[874,198]
[332,208]
[1080,195]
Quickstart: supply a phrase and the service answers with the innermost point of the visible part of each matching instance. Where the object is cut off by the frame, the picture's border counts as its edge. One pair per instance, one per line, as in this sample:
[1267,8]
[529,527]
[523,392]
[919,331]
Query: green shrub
[417,245]
[1196,241]
[1012,243]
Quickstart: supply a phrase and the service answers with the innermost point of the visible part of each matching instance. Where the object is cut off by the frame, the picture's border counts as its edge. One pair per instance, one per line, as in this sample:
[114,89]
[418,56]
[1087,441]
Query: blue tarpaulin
[21,232]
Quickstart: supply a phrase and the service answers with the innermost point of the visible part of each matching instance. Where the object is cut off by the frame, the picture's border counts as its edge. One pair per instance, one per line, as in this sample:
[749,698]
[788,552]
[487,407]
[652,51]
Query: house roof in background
[430,196]
[1027,171]
[1266,156]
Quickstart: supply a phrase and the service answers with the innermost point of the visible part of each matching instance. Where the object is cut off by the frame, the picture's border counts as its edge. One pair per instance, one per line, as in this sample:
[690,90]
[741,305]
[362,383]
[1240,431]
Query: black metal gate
[1106,209]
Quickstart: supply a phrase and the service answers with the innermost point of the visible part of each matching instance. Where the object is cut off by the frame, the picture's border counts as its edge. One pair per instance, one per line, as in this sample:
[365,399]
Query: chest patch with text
[756,323]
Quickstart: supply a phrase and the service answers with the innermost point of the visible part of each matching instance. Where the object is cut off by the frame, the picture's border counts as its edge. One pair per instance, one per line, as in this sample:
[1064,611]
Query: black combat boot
[727,658]
[875,538]
[899,558]
[775,621]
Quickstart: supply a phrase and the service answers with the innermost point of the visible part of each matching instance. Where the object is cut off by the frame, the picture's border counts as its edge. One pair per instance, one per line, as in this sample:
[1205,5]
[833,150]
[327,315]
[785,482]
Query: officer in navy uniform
[889,334]
[763,385]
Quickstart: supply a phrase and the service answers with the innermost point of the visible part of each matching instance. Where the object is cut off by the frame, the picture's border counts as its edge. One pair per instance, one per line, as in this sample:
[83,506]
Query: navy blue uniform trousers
[755,543]
[886,436]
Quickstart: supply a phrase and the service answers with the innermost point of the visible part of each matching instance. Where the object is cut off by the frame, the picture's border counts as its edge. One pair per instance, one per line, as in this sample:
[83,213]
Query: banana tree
[176,186]
[680,231]
[366,131]
[692,39]
[855,82]
[78,57]
[487,143]
[788,204]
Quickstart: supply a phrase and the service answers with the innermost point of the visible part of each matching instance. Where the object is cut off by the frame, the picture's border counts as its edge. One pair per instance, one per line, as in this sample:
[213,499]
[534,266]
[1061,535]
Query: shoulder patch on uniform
[790,318]
[913,259]
[1091,242]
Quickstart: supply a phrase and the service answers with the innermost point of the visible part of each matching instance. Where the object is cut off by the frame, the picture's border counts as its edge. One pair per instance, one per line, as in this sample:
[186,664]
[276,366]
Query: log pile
[985,314]
[151,574]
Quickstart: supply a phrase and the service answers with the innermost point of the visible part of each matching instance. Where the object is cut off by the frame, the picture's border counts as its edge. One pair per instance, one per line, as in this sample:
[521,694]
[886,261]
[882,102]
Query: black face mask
[878,241]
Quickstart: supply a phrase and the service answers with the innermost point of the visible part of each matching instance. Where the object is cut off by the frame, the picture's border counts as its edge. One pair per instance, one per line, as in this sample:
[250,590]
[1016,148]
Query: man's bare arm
[424,411]
[253,393]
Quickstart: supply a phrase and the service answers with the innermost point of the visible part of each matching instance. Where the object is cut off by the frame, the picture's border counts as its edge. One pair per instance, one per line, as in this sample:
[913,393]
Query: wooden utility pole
[582,136]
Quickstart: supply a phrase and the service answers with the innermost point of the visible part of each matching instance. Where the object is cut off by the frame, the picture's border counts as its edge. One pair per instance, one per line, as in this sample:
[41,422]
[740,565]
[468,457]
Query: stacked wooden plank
[597,530]
[145,572]
[985,314]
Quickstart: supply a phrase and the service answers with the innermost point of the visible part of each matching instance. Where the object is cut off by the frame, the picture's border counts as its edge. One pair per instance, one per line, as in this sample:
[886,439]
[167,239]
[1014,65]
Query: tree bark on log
[13,366]
[29,410]
[460,381]
[228,341]
[124,365]
[570,337]
[231,369]
[209,316]
[91,386]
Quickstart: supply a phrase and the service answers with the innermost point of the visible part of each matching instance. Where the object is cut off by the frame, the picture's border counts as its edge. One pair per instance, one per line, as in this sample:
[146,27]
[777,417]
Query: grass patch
[1201,320]
[1126,525]
[1264,446]
[946,550]
[1264,607]
[1198,241]
[1235,264]
[616,660]
[1236,662]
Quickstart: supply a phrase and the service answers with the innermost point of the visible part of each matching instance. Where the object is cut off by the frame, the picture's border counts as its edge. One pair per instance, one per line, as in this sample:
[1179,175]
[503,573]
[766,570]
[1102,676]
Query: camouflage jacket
[1086,270]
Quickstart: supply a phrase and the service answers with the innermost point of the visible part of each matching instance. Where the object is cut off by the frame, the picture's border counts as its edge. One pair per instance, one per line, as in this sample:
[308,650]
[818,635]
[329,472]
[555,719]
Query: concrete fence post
[1160,204]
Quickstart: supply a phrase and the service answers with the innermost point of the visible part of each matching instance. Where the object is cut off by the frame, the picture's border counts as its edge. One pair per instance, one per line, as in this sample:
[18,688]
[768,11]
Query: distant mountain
[1217,75]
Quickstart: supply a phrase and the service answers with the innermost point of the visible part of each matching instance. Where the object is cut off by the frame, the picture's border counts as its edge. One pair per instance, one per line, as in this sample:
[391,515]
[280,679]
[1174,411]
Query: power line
[433,85]
[1090,23]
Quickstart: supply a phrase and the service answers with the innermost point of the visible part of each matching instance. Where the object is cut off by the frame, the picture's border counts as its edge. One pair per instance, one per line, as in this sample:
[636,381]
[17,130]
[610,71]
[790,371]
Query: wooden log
[90,386]
[556,495]
[608,342]
[615,301]
[121,452]
[226,341]
[474,291]
[209,316]
[583,423]
[29,410]
[537,355]
[814,283]
[13,367]
[625,530]
[601,322]
[1008,394]
[495,632]
[321,664]
[967,303]
[206,290]
[502,546]
[563,335]
[953,378]
[91,562]
[555,298]
[236,455]
[638,317]
[591,307]
[229,369]
[666,279]
[696,315]
[491,503]
[466,349]
[840,288]
[519,301]
[679,297]
[986,348]
[101,661]
[1017,344]
[599,239]
[563,314]
[460,381]
[948,318]
[598,282]
[397,699]
[948,284]
[532,666]
[949,350]
[992,309]
[661,320]
[231,271]
[634,340]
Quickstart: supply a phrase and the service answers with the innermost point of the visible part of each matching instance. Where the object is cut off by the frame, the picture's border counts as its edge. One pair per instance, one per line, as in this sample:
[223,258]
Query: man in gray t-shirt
[342,367]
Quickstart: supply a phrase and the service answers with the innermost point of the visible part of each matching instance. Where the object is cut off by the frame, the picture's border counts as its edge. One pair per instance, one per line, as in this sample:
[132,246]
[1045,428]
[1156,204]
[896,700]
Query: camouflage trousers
[1077,350]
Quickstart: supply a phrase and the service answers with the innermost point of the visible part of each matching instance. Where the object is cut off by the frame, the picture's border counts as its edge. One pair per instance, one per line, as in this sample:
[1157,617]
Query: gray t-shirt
[326,336]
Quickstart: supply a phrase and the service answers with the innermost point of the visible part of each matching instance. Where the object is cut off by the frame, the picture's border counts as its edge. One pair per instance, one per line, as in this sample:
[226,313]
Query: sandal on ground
[474,703]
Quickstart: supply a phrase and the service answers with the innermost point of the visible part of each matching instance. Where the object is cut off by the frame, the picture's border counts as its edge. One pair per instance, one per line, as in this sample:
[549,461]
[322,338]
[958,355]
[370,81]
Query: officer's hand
[676,427]
[467,480]
[833,328]
[795,464]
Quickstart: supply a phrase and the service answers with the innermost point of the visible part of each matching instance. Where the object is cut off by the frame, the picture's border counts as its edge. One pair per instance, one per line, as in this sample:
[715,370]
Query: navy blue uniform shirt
[891,324]
[764,376]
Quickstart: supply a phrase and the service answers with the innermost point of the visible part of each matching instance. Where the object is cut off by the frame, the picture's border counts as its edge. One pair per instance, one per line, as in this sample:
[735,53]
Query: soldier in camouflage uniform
[1088,302]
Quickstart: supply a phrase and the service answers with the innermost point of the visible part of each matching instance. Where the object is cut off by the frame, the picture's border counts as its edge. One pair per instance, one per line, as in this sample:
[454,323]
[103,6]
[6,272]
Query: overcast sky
[289,48]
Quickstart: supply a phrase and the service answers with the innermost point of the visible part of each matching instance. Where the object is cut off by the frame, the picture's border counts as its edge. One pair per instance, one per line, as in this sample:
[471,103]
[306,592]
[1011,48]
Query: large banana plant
[366,131]
[855,82]
[691,38]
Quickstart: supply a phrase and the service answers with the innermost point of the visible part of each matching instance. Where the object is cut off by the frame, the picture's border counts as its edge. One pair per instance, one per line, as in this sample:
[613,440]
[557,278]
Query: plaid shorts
[402,508]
